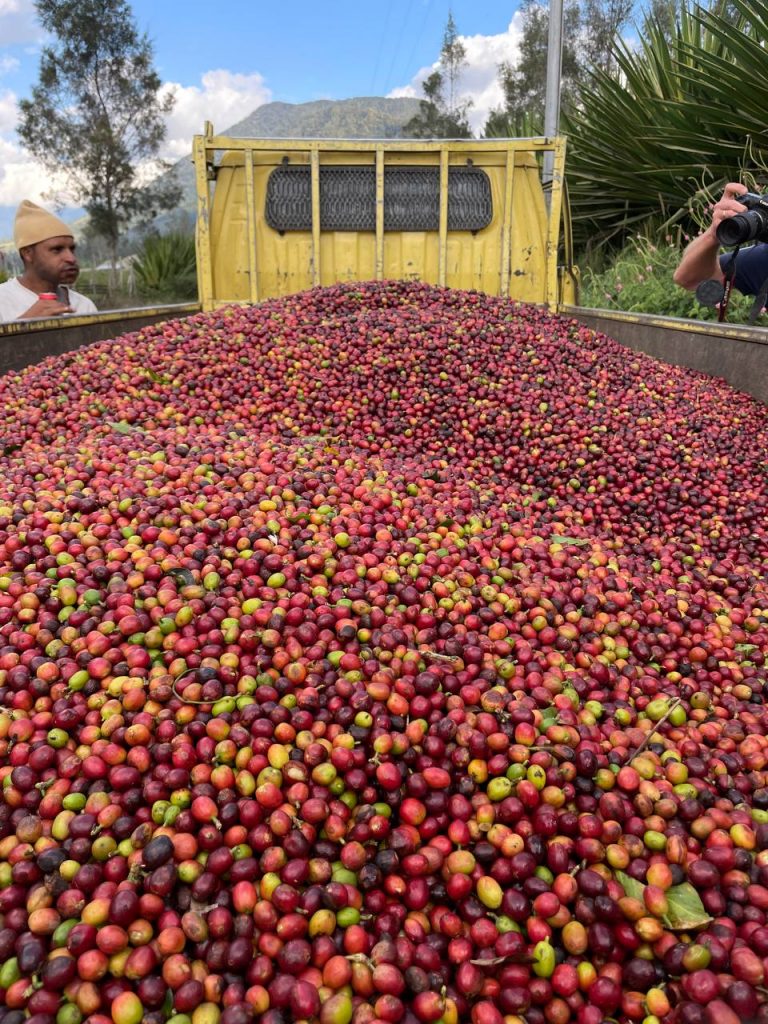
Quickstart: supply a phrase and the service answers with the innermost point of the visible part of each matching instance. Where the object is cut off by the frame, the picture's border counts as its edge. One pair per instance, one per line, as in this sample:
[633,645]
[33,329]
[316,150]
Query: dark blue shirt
[751,268]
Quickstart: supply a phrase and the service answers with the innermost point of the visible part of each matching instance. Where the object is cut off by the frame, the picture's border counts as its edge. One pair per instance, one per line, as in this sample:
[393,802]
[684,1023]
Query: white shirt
[15,299]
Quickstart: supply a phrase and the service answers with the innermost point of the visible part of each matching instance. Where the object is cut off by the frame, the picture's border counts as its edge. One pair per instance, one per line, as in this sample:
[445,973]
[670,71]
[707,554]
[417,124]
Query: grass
[95,284]
[132,290]
[639,280]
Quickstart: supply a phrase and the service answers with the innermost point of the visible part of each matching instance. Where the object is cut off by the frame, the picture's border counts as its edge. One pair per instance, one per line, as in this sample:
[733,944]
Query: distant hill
[368,117]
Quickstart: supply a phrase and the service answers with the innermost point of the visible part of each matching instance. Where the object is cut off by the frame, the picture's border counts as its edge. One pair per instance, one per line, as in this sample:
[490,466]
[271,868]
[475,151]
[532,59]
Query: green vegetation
[165,268]
[106,290]
[96,114]
[639,279]
[653,146]
[443,116]
[590,28]
[657,124]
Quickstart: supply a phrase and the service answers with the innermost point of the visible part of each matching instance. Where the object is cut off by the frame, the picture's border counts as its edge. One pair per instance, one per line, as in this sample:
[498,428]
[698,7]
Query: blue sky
[336,49]
[224,59]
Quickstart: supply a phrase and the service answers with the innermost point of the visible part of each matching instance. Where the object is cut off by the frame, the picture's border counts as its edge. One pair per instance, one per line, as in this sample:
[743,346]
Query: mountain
[368,117]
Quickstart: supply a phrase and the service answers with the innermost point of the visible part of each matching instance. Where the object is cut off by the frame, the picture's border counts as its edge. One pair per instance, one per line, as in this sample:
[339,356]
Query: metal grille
[348,199]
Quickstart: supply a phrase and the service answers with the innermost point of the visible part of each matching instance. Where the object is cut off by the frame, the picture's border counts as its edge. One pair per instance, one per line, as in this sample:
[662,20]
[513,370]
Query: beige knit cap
[34,224]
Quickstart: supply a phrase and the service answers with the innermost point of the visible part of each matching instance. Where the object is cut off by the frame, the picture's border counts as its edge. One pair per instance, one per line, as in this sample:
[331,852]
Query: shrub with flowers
[639,280]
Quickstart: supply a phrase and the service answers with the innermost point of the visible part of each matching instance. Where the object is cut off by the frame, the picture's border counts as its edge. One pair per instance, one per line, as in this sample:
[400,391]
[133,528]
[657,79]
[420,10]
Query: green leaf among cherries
[686,911]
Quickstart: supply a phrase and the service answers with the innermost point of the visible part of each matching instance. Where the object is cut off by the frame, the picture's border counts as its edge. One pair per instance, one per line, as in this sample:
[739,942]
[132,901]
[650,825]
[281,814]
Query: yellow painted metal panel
[316,251]
[205,280]
[250,213]
[379,213]
[506,219]
[442,237]
[553,226]
[516,254]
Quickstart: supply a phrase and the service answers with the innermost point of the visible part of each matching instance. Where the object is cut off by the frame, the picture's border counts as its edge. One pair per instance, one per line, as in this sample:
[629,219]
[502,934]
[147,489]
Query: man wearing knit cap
[47,249]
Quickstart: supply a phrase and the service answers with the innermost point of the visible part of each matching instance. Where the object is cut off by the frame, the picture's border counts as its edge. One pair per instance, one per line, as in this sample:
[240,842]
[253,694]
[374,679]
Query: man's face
[54,260]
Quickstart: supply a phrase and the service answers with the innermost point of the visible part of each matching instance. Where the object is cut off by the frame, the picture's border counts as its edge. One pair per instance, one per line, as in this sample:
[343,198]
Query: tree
[524,82]
[442,117]
[96,113]
[727,9]
[453,59]
[590,29]
[652,147]
[601,22]
[662,14]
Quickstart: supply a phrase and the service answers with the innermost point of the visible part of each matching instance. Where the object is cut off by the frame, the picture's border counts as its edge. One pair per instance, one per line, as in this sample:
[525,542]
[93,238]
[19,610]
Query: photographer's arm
[700,259]
[700,262]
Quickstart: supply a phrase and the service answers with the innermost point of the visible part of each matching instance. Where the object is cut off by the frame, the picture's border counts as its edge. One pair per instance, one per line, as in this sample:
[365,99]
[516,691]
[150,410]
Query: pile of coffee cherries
[382,653]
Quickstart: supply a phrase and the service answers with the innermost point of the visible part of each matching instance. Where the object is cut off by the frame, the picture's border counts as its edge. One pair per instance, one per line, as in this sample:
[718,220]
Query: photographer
[702,260]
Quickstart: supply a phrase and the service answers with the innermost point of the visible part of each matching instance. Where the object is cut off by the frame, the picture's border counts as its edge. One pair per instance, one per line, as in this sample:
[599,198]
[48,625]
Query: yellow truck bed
[279,216]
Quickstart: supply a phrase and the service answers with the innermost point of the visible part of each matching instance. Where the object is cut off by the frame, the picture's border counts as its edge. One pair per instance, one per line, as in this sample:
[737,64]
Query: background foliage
[639,279]
[653,145]
[660,114]
[165,268]
[441,114]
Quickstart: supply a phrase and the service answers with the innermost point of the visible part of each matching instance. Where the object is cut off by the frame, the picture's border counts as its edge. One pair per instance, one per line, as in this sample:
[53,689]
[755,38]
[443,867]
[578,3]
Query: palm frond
[653,144]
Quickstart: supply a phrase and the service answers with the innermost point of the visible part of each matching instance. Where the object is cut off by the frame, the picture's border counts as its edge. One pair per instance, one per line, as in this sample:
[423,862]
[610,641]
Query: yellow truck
[279,216]
[276,217]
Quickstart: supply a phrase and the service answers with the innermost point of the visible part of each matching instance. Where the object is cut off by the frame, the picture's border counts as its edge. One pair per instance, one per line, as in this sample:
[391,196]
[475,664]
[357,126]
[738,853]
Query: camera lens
[743,227]
[735,230]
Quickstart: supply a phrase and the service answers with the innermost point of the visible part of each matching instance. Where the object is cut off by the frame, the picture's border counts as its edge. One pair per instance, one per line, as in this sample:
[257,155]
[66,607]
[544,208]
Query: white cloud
[8,111]
[20,177]
[8,64]
[18,23]
[409,90]
[479,80]
[222,98]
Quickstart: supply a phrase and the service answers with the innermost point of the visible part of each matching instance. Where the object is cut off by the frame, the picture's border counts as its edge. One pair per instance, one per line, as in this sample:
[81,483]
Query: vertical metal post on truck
[203,175]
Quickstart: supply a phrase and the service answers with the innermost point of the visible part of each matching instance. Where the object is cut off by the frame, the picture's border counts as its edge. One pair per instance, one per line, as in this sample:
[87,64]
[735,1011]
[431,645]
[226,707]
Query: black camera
[746,227]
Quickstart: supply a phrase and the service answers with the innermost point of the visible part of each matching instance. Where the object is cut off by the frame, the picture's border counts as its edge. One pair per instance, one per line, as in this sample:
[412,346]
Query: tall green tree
[590,28]
[601,23]
[662,14]
[442,115]
[453,59]
[726,8]
[96,113]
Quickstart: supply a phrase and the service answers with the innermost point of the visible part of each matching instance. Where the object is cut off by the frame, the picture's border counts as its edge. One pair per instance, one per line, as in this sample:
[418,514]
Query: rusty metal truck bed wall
[25,342]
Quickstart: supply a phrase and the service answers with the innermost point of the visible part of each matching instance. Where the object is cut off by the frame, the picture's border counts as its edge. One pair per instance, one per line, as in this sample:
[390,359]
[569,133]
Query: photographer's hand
[727,206]
[700,260]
